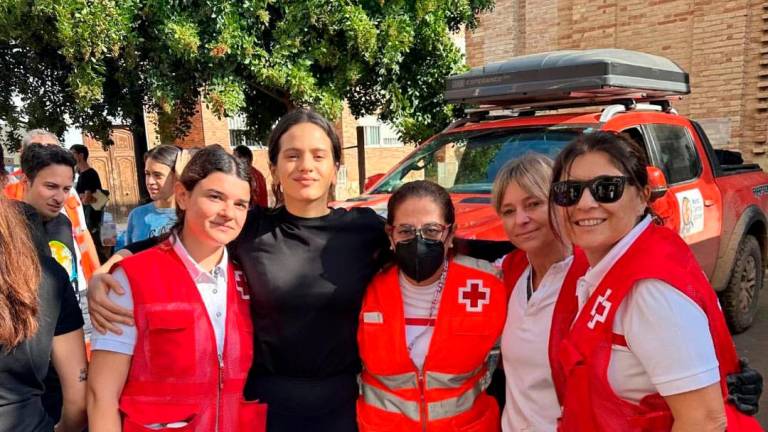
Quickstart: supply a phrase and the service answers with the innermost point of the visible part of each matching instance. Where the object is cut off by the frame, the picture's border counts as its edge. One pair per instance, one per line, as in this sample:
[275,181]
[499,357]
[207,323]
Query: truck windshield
[467,162]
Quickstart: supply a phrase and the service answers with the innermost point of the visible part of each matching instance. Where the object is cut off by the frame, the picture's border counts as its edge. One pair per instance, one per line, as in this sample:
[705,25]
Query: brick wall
[719,42]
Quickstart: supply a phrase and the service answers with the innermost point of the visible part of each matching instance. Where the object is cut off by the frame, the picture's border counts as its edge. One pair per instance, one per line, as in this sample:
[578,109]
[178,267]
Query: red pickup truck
[715,201]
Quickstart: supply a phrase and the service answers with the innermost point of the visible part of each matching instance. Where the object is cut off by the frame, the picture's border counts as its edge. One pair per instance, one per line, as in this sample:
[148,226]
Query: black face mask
[419,258]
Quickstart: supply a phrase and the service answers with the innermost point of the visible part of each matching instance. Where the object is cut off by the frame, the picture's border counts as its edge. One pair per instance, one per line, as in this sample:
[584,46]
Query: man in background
[87,186]
[258,182]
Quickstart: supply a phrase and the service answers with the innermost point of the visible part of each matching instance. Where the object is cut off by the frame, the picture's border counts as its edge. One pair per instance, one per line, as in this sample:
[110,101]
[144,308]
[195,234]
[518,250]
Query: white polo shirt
[670,348]
[531,401]
[212,287]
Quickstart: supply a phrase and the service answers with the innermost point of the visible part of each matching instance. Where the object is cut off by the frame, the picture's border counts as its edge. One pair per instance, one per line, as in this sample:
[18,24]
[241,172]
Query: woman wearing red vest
[427,325]
[534,273]
[649,349]
[184,364]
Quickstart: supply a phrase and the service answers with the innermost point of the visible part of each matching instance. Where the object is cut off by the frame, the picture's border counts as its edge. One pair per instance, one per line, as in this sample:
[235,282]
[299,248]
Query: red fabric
[175,371]
[460,344]
[566,307]
[259,194]
[590,402]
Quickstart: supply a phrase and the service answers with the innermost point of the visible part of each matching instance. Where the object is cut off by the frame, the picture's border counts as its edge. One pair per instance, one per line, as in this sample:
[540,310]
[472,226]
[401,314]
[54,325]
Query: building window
[378,136]
[240,137]
[239,133]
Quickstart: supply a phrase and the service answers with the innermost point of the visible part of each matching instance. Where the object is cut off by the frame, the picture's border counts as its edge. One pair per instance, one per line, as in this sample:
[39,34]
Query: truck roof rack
[566,79]
[609,111]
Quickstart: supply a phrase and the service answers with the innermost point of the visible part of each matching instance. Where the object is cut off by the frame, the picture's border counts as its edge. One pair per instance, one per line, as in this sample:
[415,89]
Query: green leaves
[87,61]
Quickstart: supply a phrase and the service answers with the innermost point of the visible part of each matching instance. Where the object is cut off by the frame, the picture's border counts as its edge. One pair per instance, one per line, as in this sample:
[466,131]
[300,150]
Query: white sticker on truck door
[691,206]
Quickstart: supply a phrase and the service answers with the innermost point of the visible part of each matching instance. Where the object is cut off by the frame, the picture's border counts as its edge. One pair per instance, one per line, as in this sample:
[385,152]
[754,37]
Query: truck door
[693,194]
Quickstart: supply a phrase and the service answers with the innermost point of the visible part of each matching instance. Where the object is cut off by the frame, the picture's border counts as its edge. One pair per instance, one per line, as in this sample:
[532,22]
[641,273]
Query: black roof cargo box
[569,75]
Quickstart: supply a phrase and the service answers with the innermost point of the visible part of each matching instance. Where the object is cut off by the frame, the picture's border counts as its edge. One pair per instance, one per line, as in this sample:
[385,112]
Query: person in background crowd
[49,173]
[151,377]
[307,267]
[259,194]
[87,186]
[649,348]
[157,217]
[451,310]
[87,258]
[40,323]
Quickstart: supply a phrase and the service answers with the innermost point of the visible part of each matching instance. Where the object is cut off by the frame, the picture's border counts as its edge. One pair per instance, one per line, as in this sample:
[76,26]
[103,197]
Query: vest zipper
[422,400]
[219,389]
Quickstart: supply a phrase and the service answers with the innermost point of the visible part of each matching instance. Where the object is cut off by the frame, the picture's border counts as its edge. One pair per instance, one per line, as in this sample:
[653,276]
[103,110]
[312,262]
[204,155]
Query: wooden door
[117,170]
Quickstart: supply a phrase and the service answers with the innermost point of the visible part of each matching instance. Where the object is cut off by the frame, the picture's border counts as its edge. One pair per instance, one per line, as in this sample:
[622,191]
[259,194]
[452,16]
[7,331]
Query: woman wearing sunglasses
[427,325]
[649,348]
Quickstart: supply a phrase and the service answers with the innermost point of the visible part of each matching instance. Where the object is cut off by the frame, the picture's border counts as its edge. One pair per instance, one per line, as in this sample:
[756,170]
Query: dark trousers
[306,405]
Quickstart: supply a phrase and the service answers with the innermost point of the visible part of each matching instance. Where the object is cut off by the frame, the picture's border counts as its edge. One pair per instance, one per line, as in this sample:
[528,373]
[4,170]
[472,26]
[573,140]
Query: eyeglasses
[604,189]
[430,231]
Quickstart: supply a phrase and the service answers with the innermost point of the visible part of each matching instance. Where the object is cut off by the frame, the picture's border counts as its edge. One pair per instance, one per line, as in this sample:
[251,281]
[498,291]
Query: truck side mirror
[372,180]
[658,183]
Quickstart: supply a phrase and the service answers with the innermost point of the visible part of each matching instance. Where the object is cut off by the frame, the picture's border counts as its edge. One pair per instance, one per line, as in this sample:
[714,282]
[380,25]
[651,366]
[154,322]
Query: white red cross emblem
[474,295]
[241,285]
[602,301]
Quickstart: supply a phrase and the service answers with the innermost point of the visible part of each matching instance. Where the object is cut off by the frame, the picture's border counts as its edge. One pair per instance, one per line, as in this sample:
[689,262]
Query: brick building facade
[723,44]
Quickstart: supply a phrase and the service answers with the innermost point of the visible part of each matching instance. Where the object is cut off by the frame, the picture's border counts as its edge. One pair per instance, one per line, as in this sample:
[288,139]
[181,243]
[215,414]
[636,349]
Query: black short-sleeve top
[307,278]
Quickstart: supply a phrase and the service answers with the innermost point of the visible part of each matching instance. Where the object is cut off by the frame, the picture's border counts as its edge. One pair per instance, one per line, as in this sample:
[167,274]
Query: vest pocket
[142,417]
[483,417]
[171,343]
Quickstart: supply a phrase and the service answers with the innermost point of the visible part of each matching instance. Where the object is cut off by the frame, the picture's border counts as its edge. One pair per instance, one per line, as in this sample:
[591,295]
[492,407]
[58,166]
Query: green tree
[87,61]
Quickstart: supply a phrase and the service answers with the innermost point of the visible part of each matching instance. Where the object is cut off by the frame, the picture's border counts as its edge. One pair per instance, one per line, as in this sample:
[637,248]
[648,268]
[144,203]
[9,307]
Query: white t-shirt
[670,348]
[531,401]
[213,290]
[419,326]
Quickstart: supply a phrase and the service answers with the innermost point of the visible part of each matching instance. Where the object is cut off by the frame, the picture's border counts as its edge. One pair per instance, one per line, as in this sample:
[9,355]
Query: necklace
[433,306]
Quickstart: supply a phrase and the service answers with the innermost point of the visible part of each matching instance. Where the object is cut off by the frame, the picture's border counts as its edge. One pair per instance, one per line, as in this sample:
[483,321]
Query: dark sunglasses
[604,189]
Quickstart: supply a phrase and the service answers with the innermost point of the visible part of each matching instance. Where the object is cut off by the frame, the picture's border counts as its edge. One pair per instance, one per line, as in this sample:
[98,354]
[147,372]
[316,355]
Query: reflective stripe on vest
[398,382]
[386,401]
[456,405]
[437,380]
[450,407]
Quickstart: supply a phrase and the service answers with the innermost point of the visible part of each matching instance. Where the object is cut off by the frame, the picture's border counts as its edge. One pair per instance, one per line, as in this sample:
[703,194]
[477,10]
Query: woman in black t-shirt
[40,321]
[307,267]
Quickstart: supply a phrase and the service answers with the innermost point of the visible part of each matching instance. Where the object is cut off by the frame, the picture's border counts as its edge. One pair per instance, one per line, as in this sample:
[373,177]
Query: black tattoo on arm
[83,374]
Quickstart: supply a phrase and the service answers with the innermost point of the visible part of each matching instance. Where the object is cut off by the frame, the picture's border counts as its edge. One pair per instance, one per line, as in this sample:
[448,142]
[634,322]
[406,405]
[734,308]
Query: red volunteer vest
[176,373]
[590,403]
[448,394]
[566,307]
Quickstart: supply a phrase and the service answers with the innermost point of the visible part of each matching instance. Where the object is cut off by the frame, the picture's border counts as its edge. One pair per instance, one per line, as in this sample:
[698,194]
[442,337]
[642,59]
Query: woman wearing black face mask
[428,324]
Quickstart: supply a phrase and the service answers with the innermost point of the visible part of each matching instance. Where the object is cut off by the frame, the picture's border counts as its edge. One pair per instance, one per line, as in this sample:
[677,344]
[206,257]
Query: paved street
[753,344]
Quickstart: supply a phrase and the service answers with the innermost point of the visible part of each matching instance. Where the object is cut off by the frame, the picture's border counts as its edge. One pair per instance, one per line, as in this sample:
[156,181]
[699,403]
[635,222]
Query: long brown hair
[19,278]
[293,118]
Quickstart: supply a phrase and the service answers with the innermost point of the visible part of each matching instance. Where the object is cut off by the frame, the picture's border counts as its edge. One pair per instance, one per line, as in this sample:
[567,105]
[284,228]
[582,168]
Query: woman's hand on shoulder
[105,314]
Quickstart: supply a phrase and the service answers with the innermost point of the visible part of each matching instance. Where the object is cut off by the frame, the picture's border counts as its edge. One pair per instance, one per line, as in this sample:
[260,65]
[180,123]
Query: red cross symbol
[602,300]
[242,286]
[474,296]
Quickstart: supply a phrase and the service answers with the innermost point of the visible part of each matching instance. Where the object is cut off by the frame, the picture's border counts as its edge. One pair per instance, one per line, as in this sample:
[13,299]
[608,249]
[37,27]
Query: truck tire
[740,297]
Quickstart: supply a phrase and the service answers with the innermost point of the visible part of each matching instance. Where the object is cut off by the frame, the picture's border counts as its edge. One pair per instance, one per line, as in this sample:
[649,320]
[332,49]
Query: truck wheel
[739,299]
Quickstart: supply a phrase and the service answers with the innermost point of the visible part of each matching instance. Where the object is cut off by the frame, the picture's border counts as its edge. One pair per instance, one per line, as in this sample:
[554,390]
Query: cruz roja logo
[474,296]
[604,306]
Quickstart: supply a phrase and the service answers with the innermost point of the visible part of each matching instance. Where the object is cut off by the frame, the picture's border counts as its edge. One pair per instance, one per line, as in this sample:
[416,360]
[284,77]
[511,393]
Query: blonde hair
[533,172]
